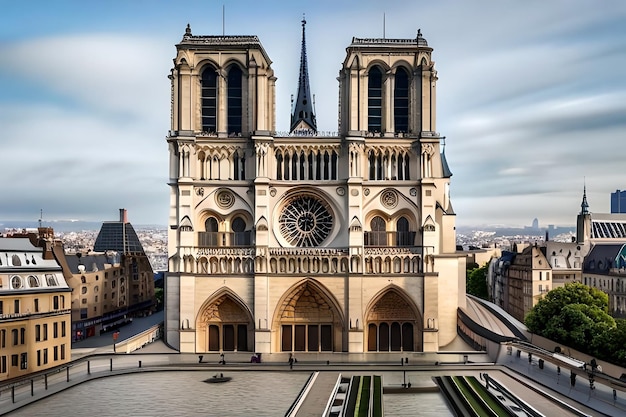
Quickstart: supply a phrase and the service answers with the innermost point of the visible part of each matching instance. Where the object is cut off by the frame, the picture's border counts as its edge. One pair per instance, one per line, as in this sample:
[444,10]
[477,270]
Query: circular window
[305,221]
[33,281]
[16,282]
[83,290]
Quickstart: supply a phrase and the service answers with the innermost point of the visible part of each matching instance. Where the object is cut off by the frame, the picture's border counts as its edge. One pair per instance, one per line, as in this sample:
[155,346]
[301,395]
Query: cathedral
[304,241]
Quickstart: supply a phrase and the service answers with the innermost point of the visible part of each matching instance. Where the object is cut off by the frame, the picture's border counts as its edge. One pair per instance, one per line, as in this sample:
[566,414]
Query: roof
[92,262]
[233,42]
[419,40]
[602,258]
[23,268]
[118,236]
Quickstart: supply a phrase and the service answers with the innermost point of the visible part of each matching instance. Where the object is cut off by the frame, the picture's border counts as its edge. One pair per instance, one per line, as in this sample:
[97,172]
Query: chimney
[123,216]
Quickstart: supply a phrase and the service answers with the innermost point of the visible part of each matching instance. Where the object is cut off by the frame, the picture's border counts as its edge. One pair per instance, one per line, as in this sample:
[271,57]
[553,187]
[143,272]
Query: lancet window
[234,100]
[389,164]
[374,100]
[401,101]
[307,164]
[209,99]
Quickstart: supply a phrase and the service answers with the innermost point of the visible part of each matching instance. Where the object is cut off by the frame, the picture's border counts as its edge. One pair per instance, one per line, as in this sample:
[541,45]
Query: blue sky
[531,97]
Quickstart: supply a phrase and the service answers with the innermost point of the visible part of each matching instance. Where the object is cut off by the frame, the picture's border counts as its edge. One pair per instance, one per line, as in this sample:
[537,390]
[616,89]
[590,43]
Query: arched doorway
[224,324]
[393,324]
[308,320]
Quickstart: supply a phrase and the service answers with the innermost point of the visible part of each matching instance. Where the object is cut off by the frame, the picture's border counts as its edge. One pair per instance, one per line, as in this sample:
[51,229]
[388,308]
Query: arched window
[378,235]
[401,101]
[234,100]
[210,226]
[241,237]
[209,99]
[403,236]
[374,100]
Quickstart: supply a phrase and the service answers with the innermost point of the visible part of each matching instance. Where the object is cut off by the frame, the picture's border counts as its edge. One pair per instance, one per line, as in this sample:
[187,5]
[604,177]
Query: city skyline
[531,98]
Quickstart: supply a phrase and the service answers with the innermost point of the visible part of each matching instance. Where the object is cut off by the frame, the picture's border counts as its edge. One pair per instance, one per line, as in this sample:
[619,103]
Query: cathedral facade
[306,242]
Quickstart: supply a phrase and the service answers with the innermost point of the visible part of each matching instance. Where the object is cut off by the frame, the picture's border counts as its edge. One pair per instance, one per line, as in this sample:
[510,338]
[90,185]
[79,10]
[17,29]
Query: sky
[531,97]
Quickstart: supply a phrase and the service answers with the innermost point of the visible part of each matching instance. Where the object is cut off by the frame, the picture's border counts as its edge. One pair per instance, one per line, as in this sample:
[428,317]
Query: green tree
[476,282]
[574,315]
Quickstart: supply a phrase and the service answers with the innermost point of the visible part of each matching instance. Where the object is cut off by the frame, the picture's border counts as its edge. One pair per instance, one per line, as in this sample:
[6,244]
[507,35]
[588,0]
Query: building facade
[111,284]
[618,202]
[304,242]
[35,316]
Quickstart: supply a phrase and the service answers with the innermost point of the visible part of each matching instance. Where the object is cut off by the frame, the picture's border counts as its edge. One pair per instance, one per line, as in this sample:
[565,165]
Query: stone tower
[309,243]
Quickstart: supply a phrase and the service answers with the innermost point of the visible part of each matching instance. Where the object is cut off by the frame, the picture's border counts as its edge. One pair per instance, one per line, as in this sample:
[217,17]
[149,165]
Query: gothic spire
[303,116]
[584,206]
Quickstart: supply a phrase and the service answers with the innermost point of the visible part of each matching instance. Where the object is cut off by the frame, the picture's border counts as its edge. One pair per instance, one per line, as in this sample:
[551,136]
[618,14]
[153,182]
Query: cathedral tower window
[210,225]
[209,99]
[234,100]
[378,234]
[401,101]
[374,100]
[404,237]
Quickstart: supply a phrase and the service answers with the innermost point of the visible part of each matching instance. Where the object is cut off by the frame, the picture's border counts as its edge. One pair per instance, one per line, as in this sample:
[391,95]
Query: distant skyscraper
[536,223]
[618,202]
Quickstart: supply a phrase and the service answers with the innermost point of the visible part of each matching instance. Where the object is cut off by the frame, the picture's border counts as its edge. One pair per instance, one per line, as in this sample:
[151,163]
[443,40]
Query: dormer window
[16,282]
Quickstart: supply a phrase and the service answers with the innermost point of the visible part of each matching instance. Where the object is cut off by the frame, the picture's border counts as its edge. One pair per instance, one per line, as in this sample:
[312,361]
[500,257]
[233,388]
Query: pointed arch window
[378,234]
[404,237]
[209,99]
[234,100]
[401,101]
[211,235]
[374,100]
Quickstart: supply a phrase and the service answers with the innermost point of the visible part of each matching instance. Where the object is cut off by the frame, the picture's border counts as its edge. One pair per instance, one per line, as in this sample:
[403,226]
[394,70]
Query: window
[33,281]
[209,99]
[45,331]
[23,361]
[378,235]
[39,358]
[14,360]
[3,338]
[56,353]
[51,280]
[15,337]
[22,336]
[83,313]
[1,307]
[16,282]
[36,305]
[55,330]
[84,301]
[83,280]
[45,356]
[16,306]
[37,333]
[62,301]
[234,100]
[113,284]
[404,236]
[401,101]
[83,290]
[55,302]
[3,365]
[374,99]
[63,351]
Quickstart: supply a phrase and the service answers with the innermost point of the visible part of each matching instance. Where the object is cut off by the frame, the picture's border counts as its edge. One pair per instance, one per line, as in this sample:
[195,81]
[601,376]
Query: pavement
[94,358]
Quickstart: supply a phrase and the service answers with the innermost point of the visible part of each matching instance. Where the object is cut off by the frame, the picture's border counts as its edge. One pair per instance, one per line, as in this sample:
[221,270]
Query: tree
[574,315]
[476,282]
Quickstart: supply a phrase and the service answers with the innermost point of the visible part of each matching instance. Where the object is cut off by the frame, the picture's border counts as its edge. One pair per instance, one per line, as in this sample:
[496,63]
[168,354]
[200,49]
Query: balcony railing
[396,239]
[224,239]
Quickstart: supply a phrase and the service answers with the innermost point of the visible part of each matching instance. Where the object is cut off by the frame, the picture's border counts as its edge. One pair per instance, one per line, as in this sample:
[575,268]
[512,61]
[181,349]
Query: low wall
[547,344]
[140,340]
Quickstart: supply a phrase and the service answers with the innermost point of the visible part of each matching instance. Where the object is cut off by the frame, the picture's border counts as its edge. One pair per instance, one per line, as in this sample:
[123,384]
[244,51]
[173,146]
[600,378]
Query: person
[291,361]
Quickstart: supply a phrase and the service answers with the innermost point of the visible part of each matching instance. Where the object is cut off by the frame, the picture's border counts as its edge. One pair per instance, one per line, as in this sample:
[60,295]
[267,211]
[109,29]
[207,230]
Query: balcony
[224,239]
[385,239]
